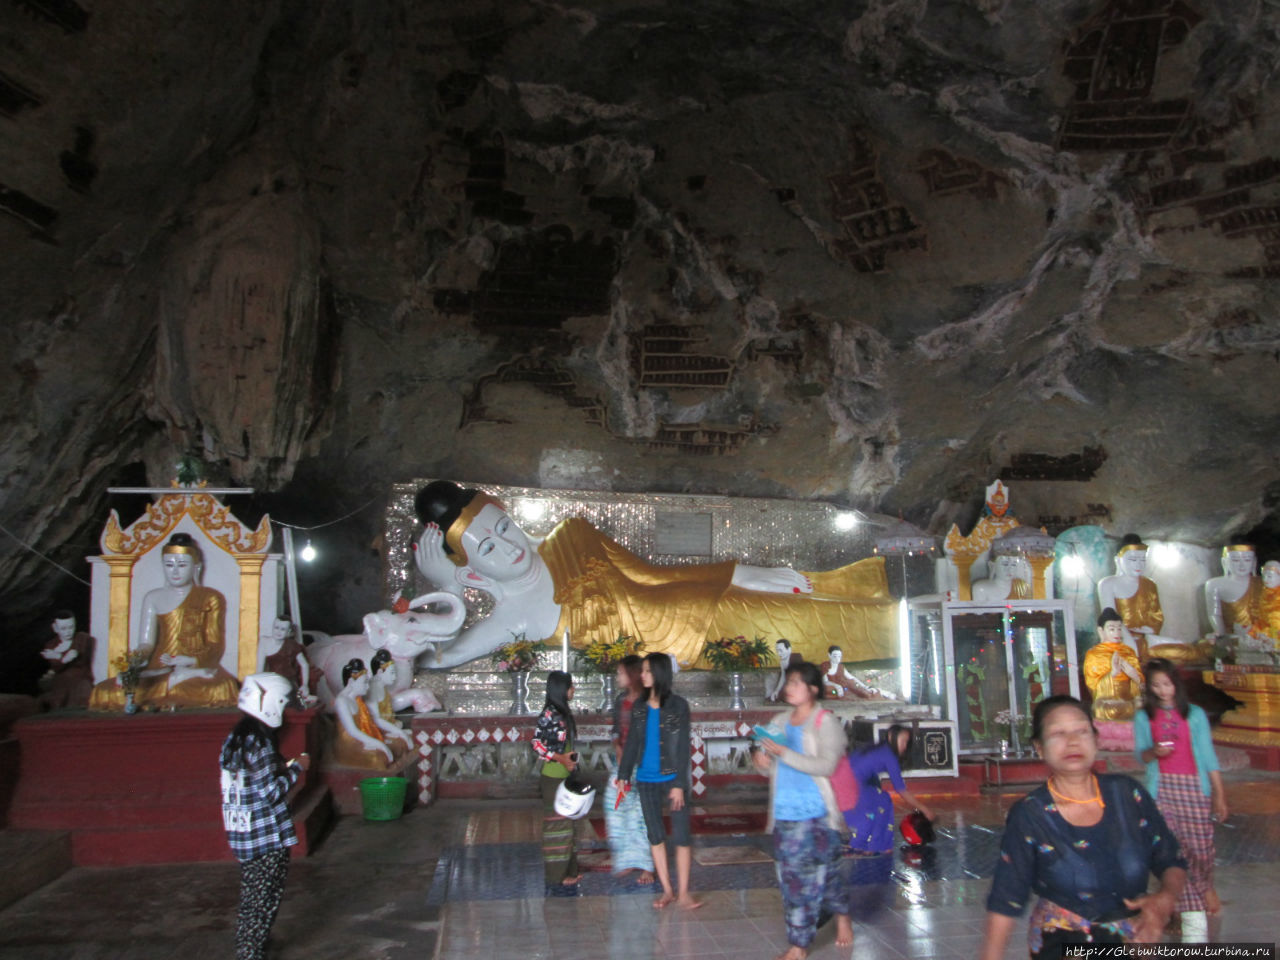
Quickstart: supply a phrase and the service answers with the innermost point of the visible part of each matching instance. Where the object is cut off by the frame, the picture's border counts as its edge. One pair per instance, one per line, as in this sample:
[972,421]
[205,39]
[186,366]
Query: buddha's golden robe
[350,752]
[1267,615]
[1243,612]
[1114,693]
[605,590]
[195,628]
[1143,608]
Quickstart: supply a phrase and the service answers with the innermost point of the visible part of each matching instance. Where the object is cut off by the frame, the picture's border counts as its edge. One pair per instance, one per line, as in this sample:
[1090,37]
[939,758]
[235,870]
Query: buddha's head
[1005,567]
[1239,560]
[383,667]
[478,531]
[1271,574]
[355,677]
[835,655]
[1131,558]
[182,560]
[64,625]
[1110,626]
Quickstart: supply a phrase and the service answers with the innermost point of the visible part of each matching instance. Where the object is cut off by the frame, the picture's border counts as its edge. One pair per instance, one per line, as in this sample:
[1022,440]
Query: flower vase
[519,693]
[130,705]
[608,691]
[735,691]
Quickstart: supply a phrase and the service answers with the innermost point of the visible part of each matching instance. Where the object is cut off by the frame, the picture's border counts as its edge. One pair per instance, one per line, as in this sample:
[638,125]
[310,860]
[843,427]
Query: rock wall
[877,253]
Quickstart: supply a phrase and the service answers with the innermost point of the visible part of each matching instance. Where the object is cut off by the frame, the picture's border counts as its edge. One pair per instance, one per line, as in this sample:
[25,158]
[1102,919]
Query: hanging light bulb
[307,553]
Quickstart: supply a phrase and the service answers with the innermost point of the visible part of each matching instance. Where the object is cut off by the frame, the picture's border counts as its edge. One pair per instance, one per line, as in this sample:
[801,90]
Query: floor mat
[725,856]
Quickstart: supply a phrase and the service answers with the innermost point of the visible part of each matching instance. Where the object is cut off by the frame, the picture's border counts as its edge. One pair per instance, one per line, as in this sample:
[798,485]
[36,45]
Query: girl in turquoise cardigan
[1172,737]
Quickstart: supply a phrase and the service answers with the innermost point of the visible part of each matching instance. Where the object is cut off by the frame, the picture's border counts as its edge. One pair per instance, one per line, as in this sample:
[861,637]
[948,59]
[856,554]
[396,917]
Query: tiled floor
[464,880]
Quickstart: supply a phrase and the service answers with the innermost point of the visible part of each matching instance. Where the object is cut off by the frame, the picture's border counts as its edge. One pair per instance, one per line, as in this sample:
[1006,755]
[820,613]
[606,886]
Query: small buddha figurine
[183,625]
[1112,671]
[1004,582]
[838,681]
[69,655]
[382,678]
[773,685]
[1137,599]
[1232,600]
[285,656]
[358,741]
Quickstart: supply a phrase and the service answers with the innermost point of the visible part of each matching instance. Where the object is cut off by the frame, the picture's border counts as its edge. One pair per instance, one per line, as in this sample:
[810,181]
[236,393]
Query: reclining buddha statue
[579,580]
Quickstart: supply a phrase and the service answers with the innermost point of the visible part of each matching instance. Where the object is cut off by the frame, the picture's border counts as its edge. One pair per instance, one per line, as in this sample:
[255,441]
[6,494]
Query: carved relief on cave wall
[1113,65]
[872,225]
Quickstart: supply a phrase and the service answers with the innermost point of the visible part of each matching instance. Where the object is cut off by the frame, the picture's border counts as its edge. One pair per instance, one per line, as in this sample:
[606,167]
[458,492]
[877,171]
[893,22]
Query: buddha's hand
[177,660]
[770,579]
[431,559]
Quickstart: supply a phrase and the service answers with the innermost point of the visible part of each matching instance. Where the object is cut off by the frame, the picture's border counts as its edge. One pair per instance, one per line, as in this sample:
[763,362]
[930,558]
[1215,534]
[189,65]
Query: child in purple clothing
[871,821]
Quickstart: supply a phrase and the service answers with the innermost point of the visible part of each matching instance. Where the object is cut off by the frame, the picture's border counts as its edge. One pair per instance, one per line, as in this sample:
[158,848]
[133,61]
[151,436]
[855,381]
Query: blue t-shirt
[795,794]
[650,769]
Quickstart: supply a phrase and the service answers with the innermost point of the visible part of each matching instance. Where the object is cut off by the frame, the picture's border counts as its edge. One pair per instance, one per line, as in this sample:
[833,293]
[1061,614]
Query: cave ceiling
[876,253]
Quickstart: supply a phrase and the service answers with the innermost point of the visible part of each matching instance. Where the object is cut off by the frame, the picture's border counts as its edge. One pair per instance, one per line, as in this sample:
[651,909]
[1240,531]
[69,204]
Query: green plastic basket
[383,797]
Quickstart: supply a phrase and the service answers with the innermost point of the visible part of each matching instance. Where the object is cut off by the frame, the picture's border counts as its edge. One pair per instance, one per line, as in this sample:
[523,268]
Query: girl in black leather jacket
[657,752]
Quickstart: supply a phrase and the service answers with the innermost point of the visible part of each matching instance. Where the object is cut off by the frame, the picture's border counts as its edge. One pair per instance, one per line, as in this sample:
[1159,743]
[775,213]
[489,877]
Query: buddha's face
[496,547]
[1271,574]
[1006,568]
[1133,563]
[359,685]
[179,569]
[1112,632]
[65,629]
[1240,563]
[281,629]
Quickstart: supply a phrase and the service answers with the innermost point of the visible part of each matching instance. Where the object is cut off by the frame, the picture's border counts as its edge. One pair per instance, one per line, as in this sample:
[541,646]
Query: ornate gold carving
[213,518]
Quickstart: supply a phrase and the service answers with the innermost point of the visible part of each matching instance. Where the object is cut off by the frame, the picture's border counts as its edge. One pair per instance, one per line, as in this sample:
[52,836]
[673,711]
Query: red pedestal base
[144,788]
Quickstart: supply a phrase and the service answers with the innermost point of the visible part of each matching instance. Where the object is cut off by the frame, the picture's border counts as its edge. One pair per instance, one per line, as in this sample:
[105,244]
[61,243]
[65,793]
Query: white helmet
[573,800]
[263,695]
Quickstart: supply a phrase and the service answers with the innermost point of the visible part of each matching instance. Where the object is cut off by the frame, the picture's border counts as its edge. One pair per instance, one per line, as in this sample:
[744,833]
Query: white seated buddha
[1137,599]
[1004,582]
[1232,600]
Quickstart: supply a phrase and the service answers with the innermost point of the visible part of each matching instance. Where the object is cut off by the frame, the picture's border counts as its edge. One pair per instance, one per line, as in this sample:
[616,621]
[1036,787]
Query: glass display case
[998,661]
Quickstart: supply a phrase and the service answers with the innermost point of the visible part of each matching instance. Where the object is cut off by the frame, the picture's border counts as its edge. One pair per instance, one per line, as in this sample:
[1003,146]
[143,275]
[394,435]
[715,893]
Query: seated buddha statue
[1137,599]
[358,740]
[183,625]
[580,581]
[382,678]
[839,682]
[1112,671]
[1232,600]
[1004,582]
[1266,616]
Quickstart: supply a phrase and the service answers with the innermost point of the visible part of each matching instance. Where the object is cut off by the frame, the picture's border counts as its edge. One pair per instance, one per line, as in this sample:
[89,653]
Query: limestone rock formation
[876,252]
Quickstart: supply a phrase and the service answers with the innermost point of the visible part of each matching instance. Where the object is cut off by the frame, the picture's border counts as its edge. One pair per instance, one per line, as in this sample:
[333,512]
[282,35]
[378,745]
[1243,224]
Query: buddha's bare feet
[686,902]
[1212,902]
[844,931]
[795,953]
[645,878]
[664,900]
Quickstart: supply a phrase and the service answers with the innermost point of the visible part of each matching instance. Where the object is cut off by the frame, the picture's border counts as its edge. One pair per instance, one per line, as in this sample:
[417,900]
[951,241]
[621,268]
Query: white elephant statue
[404,635]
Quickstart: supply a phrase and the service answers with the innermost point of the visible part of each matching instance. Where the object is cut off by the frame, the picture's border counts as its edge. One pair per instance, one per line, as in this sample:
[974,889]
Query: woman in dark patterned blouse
[553,743]
[1085,844]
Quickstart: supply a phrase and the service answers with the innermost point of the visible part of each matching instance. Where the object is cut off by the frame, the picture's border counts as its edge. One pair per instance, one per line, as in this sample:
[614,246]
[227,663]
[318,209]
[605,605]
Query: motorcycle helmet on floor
[916,829]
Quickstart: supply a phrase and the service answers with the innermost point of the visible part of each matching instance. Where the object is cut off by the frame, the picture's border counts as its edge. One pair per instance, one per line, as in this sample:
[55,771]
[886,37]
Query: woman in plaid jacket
[255,783]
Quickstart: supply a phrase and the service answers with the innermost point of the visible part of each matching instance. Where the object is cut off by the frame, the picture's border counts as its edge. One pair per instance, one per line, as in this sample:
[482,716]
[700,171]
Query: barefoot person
[1171,736]
[803,812]
[1086,844]
[657,754]
[553,743]
[623,819]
